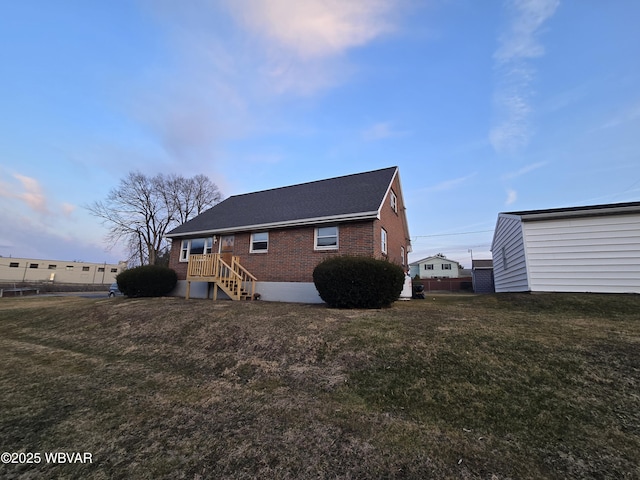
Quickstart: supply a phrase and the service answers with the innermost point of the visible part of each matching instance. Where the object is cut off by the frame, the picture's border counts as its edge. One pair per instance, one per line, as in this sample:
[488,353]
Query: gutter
[289,223]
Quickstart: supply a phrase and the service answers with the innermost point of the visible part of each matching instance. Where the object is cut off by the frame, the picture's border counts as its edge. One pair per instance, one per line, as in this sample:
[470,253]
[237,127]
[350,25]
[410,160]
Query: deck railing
[234,279]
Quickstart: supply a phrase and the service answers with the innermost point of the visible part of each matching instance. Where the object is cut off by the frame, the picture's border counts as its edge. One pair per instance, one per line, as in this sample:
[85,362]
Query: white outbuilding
[579,249]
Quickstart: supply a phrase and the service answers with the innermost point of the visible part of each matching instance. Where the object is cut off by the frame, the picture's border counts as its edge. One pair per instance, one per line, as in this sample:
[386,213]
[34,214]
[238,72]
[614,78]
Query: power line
[451,234]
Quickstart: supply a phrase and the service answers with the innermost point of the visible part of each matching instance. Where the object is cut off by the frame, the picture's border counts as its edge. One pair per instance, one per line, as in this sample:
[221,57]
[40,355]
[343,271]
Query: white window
[259,242]
[394,202]
[402,255]
[326,238]
[384,240]
[505,264]
[428,266]
[195,246]
[446,266]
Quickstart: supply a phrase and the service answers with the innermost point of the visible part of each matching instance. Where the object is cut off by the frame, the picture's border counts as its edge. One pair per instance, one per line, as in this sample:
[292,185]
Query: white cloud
[302,43]
[28,190]
[520,41]
[629,114]
[68,209]
[315,28]
[25,191]
[450,184]
[32,194]
[512,98]
[512,196]
[234,58]
[524,170]
[382,130]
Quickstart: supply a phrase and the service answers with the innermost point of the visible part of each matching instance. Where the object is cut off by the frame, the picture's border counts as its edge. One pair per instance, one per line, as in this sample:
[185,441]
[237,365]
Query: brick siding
[291,256]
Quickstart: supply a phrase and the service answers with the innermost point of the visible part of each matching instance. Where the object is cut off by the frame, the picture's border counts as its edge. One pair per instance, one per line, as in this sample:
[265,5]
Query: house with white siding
[579,249]
[437,266]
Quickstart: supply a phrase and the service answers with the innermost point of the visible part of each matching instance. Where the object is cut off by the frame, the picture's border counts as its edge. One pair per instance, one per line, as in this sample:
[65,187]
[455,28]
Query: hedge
[147,281]
[358,282]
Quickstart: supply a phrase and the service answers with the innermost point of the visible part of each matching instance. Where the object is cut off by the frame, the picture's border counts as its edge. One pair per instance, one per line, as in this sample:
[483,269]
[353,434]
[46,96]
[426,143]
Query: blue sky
[485,106]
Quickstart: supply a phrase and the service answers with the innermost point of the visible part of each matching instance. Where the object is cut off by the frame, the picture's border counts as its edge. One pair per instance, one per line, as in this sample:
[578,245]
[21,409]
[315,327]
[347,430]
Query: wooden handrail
[232,278]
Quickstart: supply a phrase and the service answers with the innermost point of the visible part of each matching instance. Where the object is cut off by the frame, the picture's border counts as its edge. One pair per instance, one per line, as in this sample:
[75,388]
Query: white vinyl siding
[593,254]
[508,247]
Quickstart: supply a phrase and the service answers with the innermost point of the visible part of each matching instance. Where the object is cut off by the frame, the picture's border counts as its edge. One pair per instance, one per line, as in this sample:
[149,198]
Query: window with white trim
[326,238]
[259,242]
[402,255]
[394,201]
[383,239]
[428,266]
[195,246]
[446,266]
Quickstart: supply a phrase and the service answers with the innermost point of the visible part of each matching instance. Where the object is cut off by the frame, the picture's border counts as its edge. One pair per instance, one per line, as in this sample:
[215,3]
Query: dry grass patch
[509,386]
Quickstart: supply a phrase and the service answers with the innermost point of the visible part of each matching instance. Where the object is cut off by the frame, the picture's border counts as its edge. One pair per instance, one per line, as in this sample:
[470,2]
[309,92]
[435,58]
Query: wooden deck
[233,279]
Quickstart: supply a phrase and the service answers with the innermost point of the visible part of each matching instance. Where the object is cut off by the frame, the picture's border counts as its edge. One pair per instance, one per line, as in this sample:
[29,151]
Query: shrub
[147,281]
[358,282]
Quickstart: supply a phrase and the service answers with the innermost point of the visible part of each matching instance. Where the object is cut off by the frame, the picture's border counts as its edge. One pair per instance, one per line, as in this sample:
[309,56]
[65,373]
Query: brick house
[269,242]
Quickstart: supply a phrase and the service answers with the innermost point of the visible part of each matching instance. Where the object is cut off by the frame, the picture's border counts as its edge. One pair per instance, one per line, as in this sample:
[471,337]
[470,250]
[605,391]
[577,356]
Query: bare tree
[142,209]
[191,196]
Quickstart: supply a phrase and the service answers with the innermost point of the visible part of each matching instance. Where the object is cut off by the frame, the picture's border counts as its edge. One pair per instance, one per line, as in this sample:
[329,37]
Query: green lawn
[495,387]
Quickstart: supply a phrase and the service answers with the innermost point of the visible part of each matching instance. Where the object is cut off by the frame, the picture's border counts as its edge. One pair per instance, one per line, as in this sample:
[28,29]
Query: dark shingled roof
[348,197]
[581,211]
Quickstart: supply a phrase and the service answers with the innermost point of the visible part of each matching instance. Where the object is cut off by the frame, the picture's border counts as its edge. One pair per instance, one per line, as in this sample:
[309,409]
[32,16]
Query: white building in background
[437,266]
[19,270]
[580,249]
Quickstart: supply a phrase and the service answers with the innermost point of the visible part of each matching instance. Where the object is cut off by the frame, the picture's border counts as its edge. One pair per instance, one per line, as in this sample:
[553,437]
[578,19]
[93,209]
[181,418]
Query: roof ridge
[313,181]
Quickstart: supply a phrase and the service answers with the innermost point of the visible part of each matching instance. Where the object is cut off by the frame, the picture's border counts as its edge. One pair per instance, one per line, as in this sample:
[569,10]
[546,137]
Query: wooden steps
[234,279]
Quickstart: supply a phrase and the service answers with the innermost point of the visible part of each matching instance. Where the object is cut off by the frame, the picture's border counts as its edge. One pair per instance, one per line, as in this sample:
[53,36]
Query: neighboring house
[57,271]
[269,242]
[437,266]
[581,249]
[482,276]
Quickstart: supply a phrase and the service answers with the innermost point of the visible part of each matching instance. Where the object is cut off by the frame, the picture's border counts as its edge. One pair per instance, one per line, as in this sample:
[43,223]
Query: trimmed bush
[147,281]
[358,282]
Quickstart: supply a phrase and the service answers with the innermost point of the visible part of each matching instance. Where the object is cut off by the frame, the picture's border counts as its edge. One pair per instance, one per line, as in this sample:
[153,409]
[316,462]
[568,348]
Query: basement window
[326,238]
[259,242]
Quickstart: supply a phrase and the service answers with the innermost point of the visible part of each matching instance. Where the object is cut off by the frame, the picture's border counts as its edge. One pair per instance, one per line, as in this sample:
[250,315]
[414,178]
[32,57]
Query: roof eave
[286,224]
[596,212]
